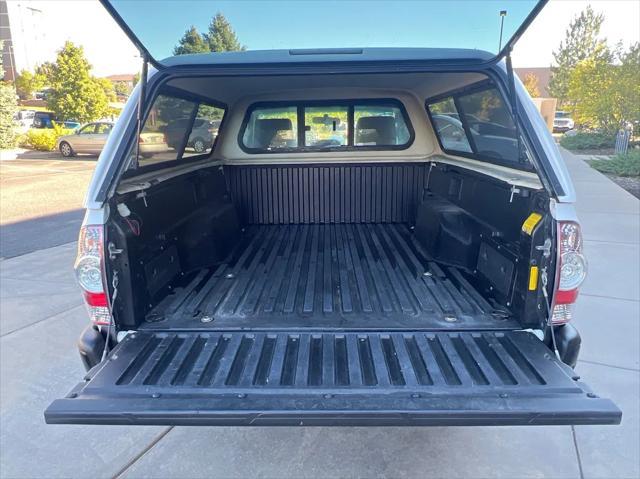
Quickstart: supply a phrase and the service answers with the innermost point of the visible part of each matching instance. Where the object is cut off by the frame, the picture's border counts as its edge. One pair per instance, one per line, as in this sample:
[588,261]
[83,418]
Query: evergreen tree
[221,37]
[75,95]
[191,42]
[581,43]
[8,107]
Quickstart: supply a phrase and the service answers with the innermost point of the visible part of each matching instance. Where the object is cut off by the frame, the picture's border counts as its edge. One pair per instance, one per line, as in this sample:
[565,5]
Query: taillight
[89,268]
[570,272]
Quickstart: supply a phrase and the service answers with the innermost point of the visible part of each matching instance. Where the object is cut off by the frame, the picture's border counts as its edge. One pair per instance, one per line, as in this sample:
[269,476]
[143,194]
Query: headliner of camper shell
[412,89]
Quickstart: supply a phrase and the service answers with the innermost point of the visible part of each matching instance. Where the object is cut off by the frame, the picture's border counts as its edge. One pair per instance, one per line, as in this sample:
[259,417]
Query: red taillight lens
[570,272]
[89,268]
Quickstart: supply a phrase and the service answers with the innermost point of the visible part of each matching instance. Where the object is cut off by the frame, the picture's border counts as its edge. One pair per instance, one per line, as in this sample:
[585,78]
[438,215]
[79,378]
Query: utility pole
[503,13]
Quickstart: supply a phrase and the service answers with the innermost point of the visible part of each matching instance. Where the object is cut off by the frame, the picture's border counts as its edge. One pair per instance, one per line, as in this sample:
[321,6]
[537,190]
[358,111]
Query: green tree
[8,107]
[191,42]
[122,88]
[44,72]
[108,88]
[604,94]
[627,80]
[221,37]
[28,83]
[75,95]
[581,42]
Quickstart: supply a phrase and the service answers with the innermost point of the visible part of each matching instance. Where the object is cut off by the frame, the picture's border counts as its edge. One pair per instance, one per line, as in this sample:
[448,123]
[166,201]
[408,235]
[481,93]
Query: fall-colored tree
[221,37]
[530,83]
[75,94]
[191,42]
[581,43]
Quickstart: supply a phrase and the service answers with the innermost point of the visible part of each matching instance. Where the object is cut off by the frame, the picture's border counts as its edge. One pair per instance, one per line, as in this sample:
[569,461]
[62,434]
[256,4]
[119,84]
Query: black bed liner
[356,276]
[268,378]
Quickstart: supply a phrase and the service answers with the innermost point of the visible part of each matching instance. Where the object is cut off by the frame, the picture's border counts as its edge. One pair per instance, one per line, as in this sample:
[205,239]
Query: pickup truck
[371,237]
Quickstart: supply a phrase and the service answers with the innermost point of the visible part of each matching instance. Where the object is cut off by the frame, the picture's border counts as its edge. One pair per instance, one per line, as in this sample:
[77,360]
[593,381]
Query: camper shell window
[477,123]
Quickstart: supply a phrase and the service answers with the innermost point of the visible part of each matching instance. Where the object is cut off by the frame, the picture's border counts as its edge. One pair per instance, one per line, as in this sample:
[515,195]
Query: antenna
[503,13]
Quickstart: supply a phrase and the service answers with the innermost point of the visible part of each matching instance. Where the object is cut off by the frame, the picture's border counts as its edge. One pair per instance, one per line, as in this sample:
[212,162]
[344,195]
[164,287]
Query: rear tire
[199,145]
[66,150]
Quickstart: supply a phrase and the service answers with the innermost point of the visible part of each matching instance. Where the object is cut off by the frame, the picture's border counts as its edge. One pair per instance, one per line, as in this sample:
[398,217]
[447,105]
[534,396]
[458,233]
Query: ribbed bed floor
[344,276]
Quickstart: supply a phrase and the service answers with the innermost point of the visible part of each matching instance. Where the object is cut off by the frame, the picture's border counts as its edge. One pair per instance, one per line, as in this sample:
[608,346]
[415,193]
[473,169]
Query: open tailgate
[364,379]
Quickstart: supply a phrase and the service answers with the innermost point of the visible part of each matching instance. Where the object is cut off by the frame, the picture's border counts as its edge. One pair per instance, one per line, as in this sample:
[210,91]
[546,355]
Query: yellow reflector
[531,222]
[533,278]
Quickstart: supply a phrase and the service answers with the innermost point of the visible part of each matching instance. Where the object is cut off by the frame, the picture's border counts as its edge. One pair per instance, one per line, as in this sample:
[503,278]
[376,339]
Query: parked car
[92,137]
[562,122]
[201,137]
[24,118]
[46,119]
[392,278]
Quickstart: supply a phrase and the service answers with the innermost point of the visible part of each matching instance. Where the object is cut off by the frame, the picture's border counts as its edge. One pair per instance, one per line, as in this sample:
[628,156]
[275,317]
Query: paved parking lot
[41,317]
[41,198]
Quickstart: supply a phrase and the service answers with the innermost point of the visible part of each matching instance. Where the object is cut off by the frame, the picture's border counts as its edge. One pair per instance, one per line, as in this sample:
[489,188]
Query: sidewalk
[41,316]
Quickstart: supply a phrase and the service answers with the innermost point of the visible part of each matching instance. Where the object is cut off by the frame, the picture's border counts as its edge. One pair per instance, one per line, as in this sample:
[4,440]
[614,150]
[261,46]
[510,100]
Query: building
[543,74]
[126,79]
[8,62]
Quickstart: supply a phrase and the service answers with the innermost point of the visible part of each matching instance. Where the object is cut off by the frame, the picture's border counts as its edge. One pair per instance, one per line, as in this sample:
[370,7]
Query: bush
[588,141]
[8,107]
[45,139]
[620,165]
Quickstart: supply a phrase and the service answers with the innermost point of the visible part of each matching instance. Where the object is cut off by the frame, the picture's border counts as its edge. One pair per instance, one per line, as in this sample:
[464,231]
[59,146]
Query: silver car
[90,138]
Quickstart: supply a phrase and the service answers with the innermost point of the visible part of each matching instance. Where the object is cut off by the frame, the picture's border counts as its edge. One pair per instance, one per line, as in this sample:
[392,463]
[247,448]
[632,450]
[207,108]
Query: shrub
[588,141]
[8,108]
[620,165]
[45,139]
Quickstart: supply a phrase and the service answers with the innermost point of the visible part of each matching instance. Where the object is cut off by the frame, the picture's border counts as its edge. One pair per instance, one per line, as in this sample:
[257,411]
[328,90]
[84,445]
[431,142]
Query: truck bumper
[568,341]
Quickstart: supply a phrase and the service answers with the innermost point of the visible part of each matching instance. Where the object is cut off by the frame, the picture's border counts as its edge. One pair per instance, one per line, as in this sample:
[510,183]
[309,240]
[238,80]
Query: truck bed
[323,277]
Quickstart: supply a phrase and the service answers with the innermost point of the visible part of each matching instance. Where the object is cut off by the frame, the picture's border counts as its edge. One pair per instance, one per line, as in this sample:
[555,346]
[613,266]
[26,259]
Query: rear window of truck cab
[325,126]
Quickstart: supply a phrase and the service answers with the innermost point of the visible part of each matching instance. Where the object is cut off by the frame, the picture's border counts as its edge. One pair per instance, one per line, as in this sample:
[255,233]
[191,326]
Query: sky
[40,27]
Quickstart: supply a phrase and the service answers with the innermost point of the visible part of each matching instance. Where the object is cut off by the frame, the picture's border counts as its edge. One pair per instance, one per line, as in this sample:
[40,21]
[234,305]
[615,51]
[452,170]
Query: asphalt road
[41,199]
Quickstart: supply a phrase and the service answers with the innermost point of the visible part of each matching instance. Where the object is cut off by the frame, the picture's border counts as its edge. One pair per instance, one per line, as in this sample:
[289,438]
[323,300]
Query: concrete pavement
[41,197]
[41,317]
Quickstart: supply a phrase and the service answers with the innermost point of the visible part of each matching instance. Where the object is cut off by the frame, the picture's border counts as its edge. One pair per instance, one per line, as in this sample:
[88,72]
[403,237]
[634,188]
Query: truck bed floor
[337,276]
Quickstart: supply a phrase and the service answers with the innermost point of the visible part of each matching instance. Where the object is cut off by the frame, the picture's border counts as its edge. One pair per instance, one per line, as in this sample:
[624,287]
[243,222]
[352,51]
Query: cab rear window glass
[326,126]
[477,124]
[178,128]
[272,128]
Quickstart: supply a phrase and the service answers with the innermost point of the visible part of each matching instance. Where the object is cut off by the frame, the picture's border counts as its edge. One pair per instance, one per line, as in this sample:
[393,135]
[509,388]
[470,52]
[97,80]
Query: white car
[337,253]
[562,122]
